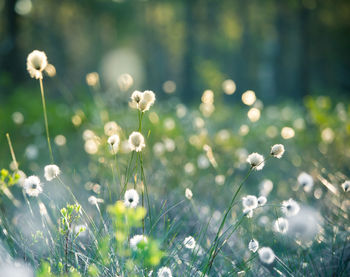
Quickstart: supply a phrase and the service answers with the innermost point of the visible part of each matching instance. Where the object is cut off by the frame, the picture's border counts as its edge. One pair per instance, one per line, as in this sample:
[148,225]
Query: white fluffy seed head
[262,200]
[36,63]
[290,207]
[253,245]
[135,240]
[250,202]
[266,255]
[277,151]
[281,225]
[164,272]
[131,198]
[256,161]
[51,172]
[306,181]
[114,142]
[190,242]
[143,100]
[188,194]
[149,96]
[94,200]
[33,186]
[346,186]
[136,96]
[136,141]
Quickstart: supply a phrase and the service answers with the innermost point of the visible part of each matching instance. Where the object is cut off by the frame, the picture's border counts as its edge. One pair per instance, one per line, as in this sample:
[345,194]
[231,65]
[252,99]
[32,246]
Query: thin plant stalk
[45,119]
[12,152]
[214,247]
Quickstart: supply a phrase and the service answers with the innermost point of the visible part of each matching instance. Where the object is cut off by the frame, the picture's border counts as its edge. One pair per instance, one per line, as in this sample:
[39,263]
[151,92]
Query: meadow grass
[174,191]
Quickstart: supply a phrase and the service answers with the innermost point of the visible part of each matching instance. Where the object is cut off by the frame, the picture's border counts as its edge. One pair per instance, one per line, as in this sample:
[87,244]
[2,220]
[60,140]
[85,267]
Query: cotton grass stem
[215,243]
[12,151]
[45,119]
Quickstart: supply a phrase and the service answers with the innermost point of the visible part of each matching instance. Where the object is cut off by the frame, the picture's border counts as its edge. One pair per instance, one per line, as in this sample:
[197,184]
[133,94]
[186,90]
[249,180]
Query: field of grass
[184,195]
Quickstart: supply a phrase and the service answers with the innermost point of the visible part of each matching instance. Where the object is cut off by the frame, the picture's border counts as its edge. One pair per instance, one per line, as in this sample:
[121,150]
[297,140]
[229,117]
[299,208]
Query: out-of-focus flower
[190,242]
[114,141]
[164,272]
[281,225]
[36,63]
[253,245]
[51,172]
[143,100]
[346,186]
[250,202]
[262,200]
[290,207]
[188,194]
[277,150]
[306,181]
[136,141]
[94,200]
[256,161]
[33,186]
[131,198]
[266,255]
[135,240]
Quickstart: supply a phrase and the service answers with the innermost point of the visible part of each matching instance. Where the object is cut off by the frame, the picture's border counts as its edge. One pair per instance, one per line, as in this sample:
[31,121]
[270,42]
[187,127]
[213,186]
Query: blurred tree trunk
[303,71]
[188,88]
[9,51]
[282,37]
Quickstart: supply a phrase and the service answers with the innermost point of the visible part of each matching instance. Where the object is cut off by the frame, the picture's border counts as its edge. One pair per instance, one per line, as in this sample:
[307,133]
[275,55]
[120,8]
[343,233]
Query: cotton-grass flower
[33,186]
[52,171]
[256,161]
[277,151]
[250,202]
[262,200]
[135,240]
[281,225]
[253,245]
[164,272]
[306,181]
[143,100]
[346,186]
[114,142]
[290,207]
[190,242]
[36,63]
[266,255]
[131,198]
[188,193]
[94,200]
[136,141]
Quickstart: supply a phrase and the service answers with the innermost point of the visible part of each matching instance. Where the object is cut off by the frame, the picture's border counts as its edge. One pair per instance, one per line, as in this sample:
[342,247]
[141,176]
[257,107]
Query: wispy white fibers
[51,172]
[262,200]
[277,151]
[94,200]
[306,181]
[136,141]
[346,186]
[135,240]
[253,245]
[281,225]
[114,142]
[36,63]
[305,225]
[266,255]
[290,207]
[164,272]
[142,100]
[256,161]
[33,186]
[131,198]
[188,193]
[190,242]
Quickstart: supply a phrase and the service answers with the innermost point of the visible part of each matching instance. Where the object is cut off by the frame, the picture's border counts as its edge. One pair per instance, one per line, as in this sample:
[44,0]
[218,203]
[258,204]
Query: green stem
[214,247]
[45,119]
